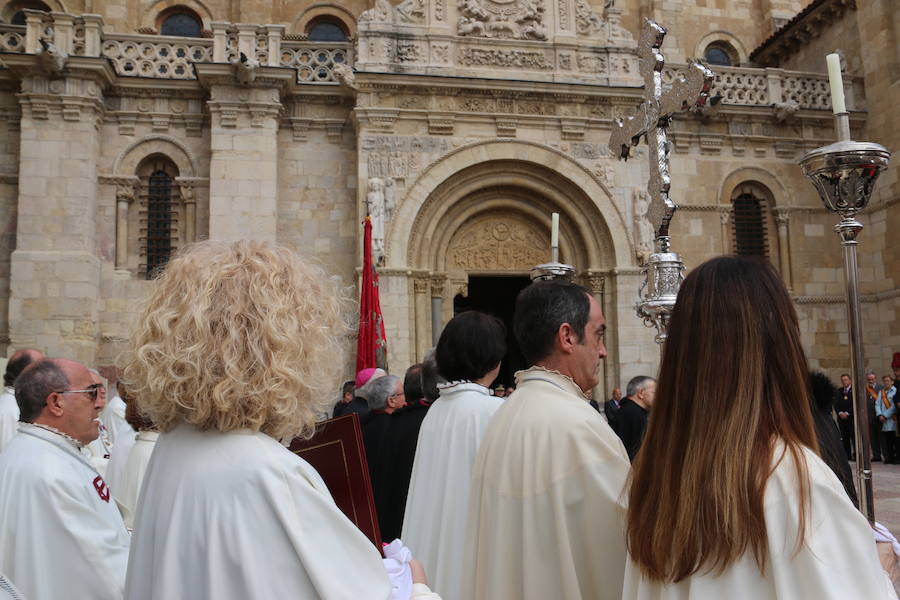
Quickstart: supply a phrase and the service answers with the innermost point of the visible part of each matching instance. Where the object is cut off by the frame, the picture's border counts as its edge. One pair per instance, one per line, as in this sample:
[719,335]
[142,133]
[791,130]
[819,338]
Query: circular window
[719,54]
[181,24]
[326,30]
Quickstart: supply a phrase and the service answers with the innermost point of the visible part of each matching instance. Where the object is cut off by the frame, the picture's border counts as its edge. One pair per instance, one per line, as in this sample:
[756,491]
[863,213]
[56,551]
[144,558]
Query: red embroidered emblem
[102,488]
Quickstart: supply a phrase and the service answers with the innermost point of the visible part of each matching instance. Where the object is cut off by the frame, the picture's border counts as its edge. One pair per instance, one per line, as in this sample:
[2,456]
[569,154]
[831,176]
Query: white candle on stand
[554,230]
[836,82]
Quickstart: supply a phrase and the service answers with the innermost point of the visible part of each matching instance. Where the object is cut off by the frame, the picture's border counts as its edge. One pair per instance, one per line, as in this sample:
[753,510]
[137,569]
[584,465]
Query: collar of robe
[453,387]
[563,382]
[68,438]
[147,436]
[9,390]
[63,441]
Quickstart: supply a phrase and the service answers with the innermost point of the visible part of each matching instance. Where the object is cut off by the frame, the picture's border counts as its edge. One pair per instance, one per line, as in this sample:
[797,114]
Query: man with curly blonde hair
[234,350]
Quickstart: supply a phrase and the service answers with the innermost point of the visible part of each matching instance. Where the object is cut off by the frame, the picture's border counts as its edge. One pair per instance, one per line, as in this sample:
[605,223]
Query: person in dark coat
[398,448]
[843,406]
[634,412]
[611,407]
[831,448]
[357,403]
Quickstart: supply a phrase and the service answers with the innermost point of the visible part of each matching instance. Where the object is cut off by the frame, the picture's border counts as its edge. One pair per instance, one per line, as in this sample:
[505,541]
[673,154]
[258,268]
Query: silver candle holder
[844,174]
[553,269]
[663,275]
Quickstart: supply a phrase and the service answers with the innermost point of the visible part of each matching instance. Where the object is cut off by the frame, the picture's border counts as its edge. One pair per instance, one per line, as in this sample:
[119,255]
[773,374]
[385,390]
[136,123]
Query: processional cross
[653,117]
[664,268]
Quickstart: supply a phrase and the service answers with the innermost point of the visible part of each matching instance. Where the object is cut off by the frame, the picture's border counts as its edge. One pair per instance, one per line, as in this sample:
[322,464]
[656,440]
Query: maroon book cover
[337,452]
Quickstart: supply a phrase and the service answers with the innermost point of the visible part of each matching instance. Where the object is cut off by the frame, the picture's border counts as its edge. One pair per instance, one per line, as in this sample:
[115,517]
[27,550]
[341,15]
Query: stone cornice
[806,25]
[869,298]
[98,69]
[282,78]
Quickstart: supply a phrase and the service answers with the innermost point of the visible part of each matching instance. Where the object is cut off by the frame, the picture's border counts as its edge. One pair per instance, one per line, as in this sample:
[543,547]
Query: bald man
[62,533]
[9,410]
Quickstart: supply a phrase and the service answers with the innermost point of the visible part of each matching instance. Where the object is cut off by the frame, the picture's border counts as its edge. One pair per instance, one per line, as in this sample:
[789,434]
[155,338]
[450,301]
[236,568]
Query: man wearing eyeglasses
[62,534]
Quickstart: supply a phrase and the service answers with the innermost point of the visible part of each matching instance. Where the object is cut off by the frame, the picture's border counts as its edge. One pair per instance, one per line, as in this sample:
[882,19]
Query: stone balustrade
[166,57]
[12,38]
[314,61]
[748,86]
[163,57]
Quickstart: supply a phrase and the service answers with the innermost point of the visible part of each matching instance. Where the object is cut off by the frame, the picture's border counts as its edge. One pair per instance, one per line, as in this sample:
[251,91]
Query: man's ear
[54,404]
[566,338]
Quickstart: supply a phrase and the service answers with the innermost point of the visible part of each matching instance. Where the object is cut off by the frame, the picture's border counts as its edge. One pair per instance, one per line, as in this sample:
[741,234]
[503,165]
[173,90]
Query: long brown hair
[733,381]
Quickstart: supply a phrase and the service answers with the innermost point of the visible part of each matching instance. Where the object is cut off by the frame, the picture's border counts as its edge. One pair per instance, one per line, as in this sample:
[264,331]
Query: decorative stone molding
[792,35]
[421,284]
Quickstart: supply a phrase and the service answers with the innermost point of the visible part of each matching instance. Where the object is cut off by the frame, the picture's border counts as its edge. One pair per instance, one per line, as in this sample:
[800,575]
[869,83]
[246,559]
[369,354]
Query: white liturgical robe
[113,417]
[546,514]
[118,459]
[438,498]
[62,536]
[135,467]
[838,560]
[233,516]
[9,417]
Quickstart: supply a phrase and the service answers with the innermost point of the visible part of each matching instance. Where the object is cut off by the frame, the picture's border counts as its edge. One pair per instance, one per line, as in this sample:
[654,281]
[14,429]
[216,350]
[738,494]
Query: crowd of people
[725,476]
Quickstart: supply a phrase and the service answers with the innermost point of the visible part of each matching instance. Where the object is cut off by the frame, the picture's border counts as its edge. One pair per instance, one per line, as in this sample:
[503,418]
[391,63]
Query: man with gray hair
[384,396]
[62,534]
[9,410]
[634,410]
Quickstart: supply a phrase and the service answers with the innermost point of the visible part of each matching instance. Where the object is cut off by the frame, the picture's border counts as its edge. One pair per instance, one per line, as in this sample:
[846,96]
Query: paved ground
[886,484]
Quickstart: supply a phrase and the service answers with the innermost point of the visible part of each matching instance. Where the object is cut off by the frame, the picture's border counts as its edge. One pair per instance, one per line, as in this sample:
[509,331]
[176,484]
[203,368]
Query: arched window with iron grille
[750,223]
[159,214]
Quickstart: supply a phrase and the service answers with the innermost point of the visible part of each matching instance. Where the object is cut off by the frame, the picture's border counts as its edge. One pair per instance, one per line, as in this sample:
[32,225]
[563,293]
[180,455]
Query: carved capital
[420,285]
[725,215]
[782,217]
[595,282]
[437,286]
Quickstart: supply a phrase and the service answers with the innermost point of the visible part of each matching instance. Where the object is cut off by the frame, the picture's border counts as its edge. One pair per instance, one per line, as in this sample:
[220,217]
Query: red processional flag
[371,344]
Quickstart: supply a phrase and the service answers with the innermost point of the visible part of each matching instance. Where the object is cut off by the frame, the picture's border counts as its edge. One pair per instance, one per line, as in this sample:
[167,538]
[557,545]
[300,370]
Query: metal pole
[848,229]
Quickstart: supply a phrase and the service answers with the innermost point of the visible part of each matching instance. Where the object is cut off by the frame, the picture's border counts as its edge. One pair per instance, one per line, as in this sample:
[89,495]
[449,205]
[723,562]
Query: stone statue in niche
[375,207]
[390,198]
[644,234]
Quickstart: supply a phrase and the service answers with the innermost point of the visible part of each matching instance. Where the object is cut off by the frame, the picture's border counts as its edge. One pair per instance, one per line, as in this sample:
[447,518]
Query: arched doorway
[472,226]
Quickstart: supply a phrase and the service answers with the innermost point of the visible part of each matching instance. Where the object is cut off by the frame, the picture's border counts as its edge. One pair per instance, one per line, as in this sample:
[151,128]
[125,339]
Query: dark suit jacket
[611,410]
[631,423]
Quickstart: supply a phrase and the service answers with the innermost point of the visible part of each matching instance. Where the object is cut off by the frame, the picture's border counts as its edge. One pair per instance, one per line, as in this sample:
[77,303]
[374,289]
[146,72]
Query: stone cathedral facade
[129,129]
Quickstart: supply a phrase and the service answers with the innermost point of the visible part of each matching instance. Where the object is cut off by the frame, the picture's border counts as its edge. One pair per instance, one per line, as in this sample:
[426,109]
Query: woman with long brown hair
[729,498]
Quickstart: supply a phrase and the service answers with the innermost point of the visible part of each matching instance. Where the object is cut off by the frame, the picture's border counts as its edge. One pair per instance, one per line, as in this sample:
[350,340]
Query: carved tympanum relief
[497,244]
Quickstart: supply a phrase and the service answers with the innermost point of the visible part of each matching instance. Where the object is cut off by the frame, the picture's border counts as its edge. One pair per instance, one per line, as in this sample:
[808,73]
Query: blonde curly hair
[237,335]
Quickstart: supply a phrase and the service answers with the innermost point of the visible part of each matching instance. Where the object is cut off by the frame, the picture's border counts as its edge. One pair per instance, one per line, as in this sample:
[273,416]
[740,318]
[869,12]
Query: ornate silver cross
[652,119]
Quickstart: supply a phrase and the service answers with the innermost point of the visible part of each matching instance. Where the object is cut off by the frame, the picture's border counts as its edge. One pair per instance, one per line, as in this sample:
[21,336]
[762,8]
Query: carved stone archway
[493,218]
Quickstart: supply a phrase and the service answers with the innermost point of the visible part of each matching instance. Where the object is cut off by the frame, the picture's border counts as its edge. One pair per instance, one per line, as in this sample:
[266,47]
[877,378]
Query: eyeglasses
[92,391]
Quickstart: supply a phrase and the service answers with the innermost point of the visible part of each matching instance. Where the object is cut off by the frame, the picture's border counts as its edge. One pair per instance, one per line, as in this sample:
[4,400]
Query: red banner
[371,345]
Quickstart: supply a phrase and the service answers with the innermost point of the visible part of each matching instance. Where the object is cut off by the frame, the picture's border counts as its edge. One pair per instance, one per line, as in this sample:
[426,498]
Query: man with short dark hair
[634,410]
[62,534]
[545,518]
[844,407]
[9,410]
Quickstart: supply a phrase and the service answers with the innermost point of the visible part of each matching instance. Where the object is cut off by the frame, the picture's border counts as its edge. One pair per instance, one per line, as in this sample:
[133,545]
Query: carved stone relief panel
[497,243]
[511,19]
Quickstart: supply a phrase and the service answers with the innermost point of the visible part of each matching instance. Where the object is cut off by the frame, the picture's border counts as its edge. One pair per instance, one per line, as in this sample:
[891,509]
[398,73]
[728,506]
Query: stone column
[243,170]
[189,200]
[782,219]
[437,308]
[420,289]
[124,198]
[725,219]
[596,283]
[55,271]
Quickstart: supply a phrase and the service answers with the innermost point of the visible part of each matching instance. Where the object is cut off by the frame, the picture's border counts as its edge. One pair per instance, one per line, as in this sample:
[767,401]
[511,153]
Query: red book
[337,452]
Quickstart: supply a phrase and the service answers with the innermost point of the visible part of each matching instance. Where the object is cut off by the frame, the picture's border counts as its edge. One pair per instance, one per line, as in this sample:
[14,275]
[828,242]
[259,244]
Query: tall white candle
[554,230]
[837,84]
